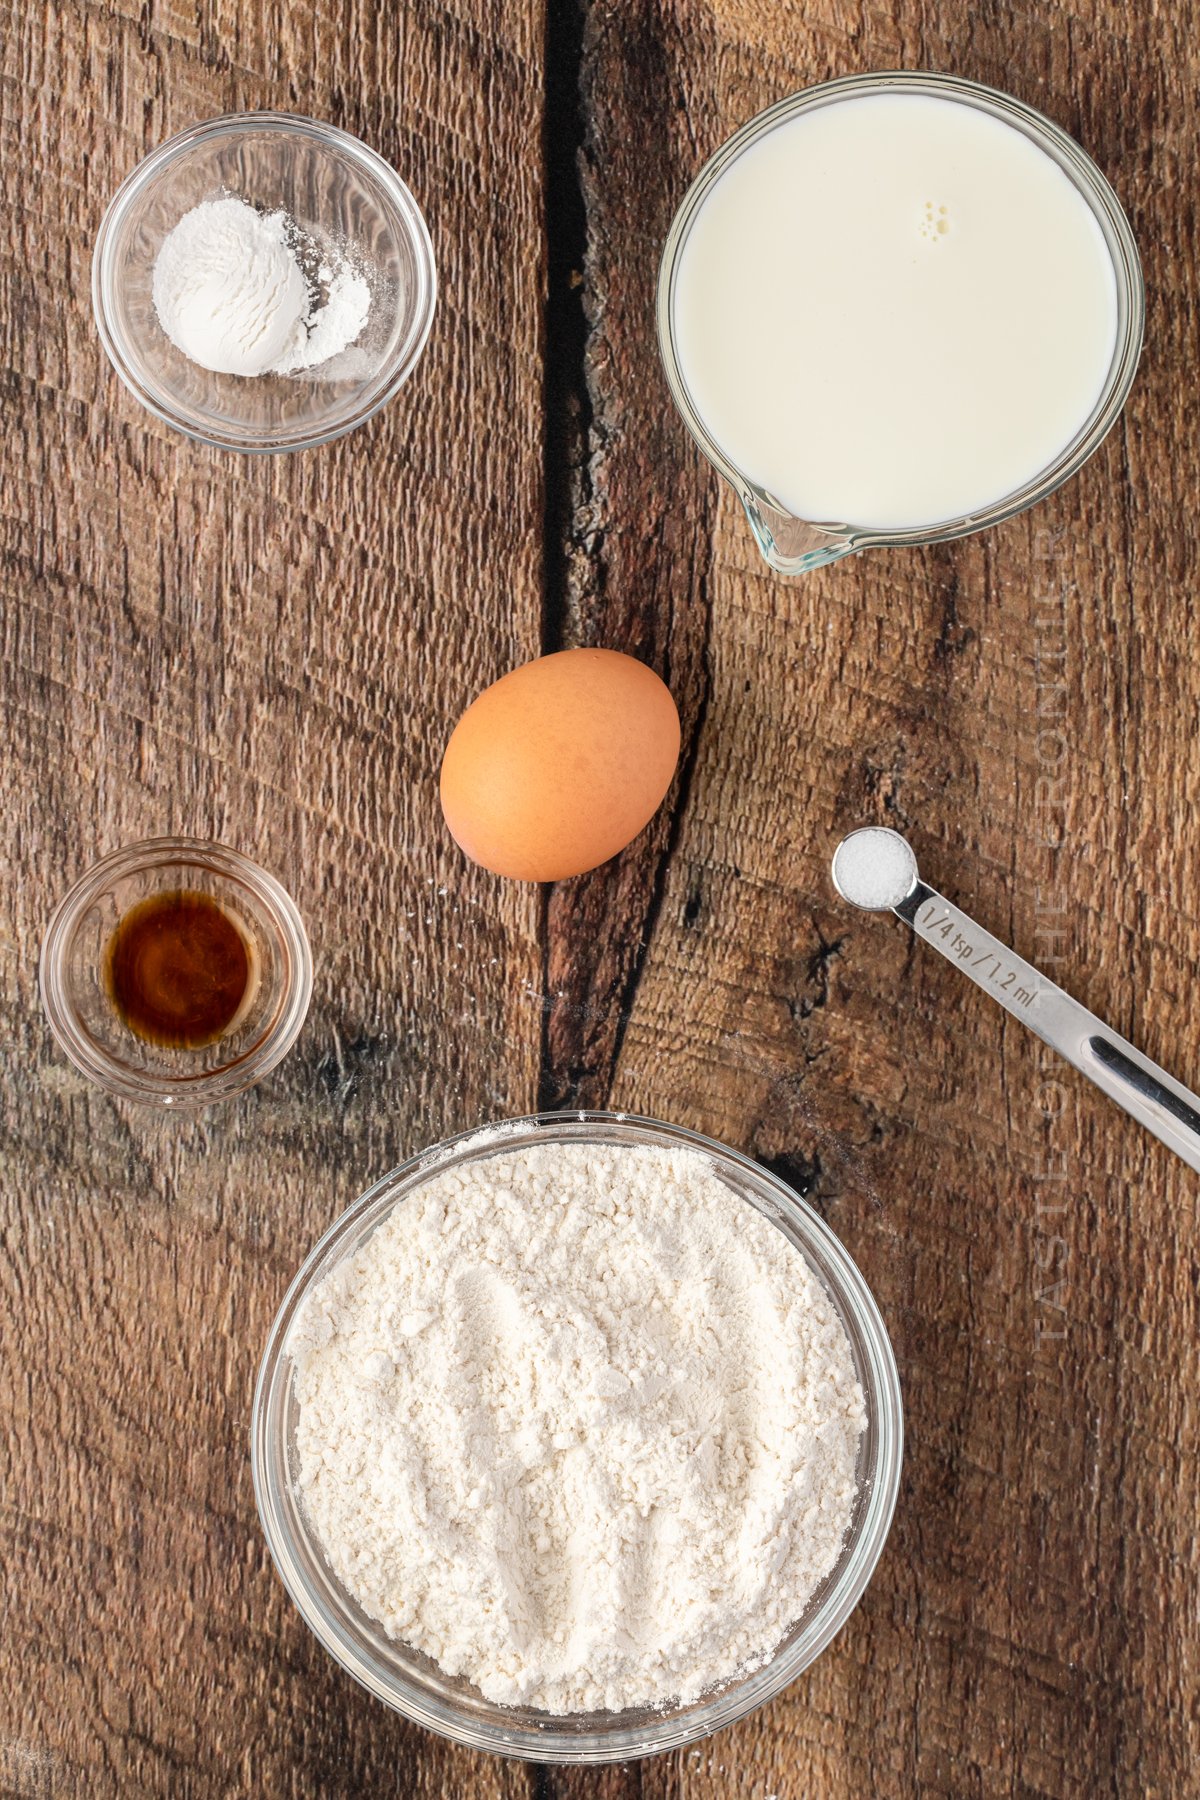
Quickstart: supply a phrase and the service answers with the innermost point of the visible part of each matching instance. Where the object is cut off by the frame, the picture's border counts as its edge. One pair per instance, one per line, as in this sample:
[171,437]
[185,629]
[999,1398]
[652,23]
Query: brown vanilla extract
[179,969]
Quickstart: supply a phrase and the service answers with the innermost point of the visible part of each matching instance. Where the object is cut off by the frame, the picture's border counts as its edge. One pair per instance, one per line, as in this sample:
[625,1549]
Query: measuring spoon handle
[1159,1102]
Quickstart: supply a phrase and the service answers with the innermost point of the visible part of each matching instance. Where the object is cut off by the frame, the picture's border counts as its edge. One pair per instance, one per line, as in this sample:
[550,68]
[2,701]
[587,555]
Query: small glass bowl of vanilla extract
[176,972]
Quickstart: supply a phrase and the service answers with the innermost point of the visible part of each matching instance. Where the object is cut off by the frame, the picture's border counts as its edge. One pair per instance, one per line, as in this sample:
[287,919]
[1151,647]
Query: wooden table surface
[271,652]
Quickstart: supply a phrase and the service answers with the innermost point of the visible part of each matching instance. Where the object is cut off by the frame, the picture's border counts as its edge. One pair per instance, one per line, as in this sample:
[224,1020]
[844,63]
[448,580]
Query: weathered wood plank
[1024,704]
[268,651]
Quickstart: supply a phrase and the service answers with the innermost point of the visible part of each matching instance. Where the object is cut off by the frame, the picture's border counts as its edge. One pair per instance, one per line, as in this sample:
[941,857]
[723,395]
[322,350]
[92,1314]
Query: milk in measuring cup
[893,311]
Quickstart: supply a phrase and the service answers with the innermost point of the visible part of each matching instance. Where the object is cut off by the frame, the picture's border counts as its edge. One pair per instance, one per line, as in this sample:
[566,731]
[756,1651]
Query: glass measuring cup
[790,544]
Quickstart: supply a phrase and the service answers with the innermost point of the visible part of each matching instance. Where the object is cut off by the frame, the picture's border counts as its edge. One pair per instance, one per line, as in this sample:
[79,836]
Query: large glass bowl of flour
[353,214]
[414,1684]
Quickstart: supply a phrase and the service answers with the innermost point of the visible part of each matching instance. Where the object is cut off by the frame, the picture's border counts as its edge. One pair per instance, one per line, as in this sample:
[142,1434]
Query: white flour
[580,1425]
[248,293]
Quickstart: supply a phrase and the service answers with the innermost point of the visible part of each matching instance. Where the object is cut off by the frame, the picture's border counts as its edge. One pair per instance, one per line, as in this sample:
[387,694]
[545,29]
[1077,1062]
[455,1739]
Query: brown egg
[559,764]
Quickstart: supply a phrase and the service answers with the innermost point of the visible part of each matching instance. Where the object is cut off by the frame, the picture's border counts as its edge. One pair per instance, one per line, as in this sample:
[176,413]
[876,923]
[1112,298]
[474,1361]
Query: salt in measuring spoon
[875,869]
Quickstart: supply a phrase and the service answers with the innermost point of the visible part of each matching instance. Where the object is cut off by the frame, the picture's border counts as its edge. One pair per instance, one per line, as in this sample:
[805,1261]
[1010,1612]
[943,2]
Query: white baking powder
[579,1424]
[248,293]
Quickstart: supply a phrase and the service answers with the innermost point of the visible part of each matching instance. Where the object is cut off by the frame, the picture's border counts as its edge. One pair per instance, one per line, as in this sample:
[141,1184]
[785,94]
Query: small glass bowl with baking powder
[411,1682]
[80,1006]
[339,192]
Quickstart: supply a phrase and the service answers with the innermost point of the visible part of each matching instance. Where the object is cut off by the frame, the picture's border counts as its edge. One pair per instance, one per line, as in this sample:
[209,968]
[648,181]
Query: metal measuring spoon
[875,869]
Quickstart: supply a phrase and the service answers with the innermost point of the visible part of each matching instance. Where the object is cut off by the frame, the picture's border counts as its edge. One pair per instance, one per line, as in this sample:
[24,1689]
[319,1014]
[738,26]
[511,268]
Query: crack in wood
[626,516]
[566,396]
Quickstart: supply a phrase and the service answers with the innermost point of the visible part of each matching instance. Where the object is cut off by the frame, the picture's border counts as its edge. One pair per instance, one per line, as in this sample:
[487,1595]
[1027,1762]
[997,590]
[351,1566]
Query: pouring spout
[792,546]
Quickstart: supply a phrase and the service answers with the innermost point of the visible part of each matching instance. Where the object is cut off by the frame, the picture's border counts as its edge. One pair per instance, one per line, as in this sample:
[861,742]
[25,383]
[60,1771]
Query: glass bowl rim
[205,1087]
[383,385]
[557,1742]
[1100,196]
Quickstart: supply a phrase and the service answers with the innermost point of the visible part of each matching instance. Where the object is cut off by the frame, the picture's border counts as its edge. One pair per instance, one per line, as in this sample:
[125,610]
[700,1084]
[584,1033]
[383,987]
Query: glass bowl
[333,186]
[414,1685]
[791,545]
[81,1011]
